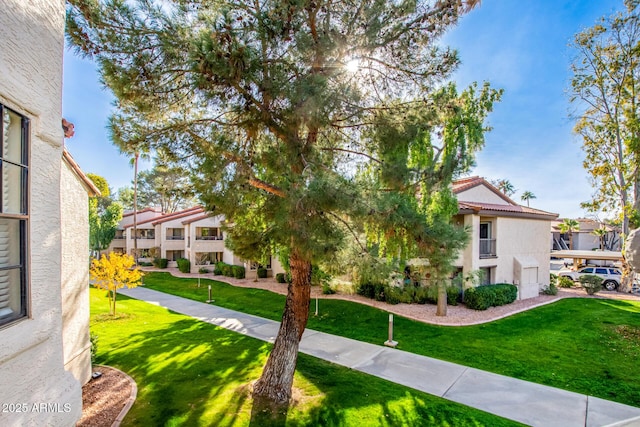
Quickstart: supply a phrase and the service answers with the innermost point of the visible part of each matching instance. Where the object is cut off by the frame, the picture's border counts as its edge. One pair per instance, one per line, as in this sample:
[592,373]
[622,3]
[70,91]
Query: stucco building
[191,233]
[509,242]
[44,356]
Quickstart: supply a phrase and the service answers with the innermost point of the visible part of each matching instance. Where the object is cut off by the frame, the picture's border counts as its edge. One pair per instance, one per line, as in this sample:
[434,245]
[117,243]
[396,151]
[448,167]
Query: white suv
[611,276]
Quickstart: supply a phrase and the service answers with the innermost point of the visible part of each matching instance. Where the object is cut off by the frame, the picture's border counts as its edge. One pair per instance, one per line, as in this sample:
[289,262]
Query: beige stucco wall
[515,237]
[75,275]
[126,220]
[480,194]
[522,237]
[31,355]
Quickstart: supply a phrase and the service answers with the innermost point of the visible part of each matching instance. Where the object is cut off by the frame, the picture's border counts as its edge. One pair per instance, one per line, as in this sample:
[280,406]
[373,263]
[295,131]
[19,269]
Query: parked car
[611,276]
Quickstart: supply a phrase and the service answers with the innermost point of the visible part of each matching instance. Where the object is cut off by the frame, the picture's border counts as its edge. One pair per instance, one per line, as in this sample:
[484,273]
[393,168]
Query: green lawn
[589,346]
[195,374]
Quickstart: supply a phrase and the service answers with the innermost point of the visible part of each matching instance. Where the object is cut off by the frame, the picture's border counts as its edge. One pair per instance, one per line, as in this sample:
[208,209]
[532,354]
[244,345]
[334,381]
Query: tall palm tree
[569,226]
[526,196]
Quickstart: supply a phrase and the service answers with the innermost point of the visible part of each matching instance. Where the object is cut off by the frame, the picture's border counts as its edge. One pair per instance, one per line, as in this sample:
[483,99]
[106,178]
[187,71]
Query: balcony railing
[145,237]
[175,237]
[208,237]
[487,248]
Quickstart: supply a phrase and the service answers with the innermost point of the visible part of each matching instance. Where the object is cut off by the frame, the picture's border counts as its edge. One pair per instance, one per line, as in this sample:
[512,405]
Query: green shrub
[225,269]
[422,294]
[184,265]
[318,276]
[160,262]
[238,271]
[203,270]
[217,270]
[483,297]
[565,282]
[591,283]
[453,295]
[392,295]
[505,293]
[553,279]
[372,290]
[479,298]
[145,264]
[327,290]
[552,289]
[261,272]
[280,278]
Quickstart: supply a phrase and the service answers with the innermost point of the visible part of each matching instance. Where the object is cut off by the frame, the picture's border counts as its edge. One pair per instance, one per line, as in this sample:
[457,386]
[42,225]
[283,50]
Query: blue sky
[521,46]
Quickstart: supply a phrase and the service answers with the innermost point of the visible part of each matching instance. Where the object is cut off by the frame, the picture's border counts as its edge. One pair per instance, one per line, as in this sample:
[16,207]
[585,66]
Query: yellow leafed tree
[114,272]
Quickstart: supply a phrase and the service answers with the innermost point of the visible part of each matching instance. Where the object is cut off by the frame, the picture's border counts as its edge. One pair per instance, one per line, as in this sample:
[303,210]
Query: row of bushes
[407,294]
[483,297]
[228,270]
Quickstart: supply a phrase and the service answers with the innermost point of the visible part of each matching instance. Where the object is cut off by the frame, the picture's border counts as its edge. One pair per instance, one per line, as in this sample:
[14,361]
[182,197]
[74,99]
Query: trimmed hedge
[262,273]
[184,265]
[229,270]
[161,262]
[238,271]
[483,297]
[280,278]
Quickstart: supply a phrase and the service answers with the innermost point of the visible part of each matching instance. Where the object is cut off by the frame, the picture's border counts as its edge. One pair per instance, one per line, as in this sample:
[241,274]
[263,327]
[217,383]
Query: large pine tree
[281,106]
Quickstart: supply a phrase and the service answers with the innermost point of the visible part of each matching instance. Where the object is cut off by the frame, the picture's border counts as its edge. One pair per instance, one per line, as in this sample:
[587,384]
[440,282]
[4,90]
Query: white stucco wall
[480,194]
[523,238]
[31,355]
[197,246]
[526,238]
[75,275]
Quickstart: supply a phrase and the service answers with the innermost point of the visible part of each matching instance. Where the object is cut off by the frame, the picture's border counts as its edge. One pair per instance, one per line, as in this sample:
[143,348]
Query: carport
[580,257]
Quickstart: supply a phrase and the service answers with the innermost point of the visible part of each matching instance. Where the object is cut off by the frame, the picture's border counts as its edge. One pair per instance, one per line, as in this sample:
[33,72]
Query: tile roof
[142,211]
[199,218]
[464,184]
[168,217]
[512,209]
[91,188]
[177,215]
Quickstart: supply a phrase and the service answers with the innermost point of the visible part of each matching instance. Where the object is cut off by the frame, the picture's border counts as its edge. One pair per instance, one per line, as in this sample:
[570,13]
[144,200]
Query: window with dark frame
[14,214]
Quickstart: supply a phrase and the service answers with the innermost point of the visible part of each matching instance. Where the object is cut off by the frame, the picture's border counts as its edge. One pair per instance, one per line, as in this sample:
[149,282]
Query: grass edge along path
[193,373]
[588,346]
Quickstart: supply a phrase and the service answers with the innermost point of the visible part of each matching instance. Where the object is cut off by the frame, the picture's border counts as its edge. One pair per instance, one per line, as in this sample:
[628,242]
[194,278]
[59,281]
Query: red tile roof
[467,183]
[180,214]
[168,217]
[519,210]
[142,211]
[91,188]
[198,218]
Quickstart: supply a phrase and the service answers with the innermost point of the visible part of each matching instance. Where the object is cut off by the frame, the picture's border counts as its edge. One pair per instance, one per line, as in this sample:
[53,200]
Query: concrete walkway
[522,401]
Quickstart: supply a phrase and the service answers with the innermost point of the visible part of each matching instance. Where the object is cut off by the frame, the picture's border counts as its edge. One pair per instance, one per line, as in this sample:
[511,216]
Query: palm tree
[601,233]
[569,226]
[526,196]
[505,186]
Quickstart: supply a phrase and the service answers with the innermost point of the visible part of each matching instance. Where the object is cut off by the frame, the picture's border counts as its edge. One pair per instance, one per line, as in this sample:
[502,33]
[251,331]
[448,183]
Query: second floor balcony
[488,248]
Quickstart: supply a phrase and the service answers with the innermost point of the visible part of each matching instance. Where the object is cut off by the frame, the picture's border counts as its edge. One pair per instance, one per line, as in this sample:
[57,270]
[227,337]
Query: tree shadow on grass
[183,368]
[192,373]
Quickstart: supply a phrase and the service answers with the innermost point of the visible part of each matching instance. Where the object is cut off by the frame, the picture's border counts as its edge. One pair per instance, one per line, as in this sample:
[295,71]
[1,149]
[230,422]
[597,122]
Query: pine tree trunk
[442,299]
[277,377]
